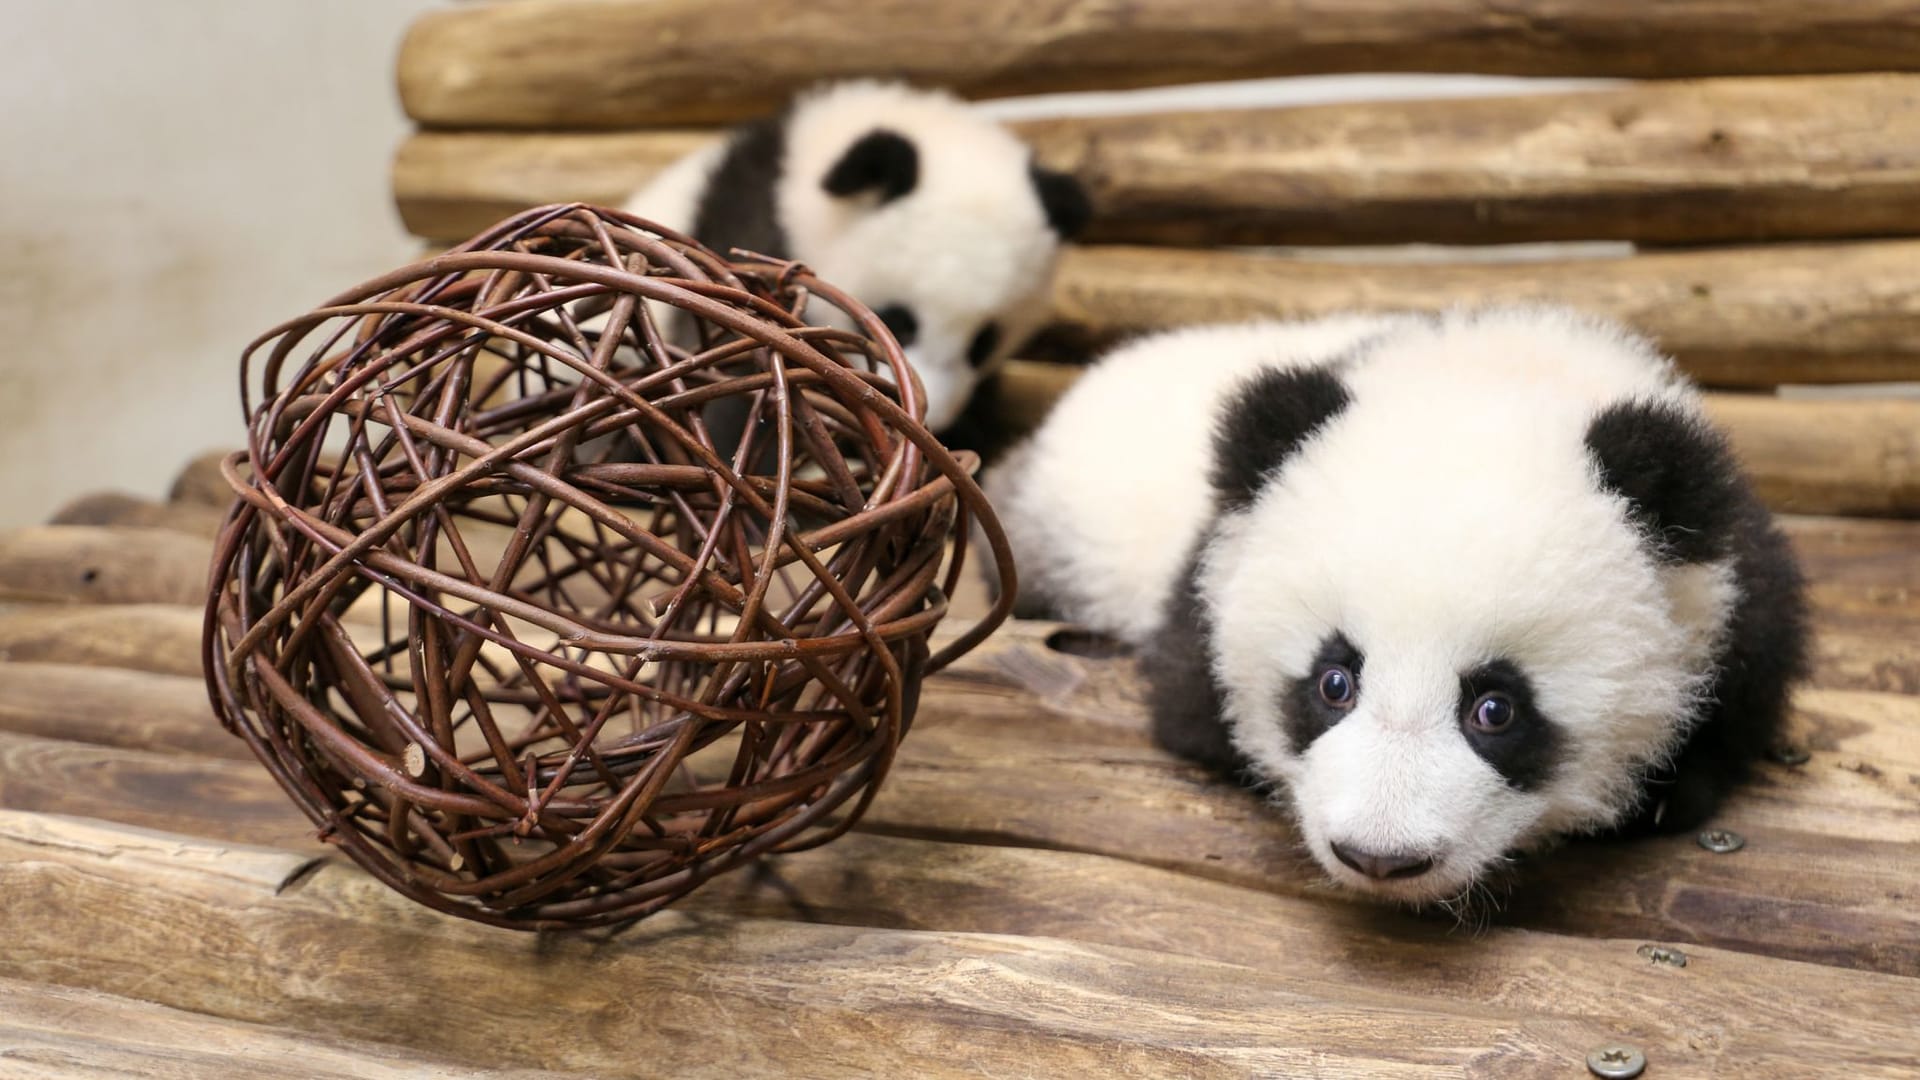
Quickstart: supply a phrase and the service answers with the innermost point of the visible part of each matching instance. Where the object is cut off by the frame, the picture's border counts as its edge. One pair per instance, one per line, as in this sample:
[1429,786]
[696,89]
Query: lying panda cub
[1458,586]
[927,212]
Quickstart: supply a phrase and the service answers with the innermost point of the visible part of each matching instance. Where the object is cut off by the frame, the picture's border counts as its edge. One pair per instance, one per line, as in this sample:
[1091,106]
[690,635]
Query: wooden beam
[1830,456]
[452,185]
[1724,160]
[617,63]
[115,565]
[58,1031]
[101,908]
[113,508]
[114,707]
[1026,745]
[160,638]
[1743,317]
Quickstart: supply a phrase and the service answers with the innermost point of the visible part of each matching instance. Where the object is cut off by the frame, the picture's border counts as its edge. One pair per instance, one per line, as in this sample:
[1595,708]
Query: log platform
[1037,892]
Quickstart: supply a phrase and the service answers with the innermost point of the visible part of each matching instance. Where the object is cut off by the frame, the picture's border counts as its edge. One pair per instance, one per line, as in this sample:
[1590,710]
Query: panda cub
[927,212]
[1456,585]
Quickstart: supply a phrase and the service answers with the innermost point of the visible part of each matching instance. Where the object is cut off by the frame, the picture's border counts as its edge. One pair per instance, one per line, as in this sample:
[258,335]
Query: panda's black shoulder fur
[737,207]
[1183,698]
[1685,490]
[1763,653]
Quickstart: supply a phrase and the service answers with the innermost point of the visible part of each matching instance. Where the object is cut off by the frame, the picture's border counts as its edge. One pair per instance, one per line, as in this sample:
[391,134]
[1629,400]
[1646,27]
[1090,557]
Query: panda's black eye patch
[901,322]
[1325,694]
[981,348]
[1502,723]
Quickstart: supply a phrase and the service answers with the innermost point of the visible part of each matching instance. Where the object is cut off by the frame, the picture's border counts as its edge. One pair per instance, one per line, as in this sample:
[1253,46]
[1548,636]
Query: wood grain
[1827,457]
[1743,317]
[114,707]
[102,565]
[817,999]
[617,63]
[113,508]
[1724,160]
[160,638]
[49,1032]
[1023,745]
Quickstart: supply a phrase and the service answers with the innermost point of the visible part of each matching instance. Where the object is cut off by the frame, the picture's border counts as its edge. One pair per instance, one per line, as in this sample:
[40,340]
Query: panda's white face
[1442,640]
[932,216]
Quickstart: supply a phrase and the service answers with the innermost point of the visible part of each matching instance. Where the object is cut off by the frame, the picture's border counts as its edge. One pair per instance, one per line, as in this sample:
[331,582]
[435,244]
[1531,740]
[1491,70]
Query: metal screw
[1617,1062]
[1788,754]
[1661,954]
[1722,841]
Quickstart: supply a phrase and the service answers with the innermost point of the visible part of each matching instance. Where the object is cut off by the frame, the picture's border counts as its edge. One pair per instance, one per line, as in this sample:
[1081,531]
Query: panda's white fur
[1449,515]
[970,244]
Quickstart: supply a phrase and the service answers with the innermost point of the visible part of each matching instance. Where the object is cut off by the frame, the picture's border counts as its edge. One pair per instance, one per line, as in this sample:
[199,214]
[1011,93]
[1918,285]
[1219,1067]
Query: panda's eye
[1337,687]
[981,348]
[1491,714]
[901,322]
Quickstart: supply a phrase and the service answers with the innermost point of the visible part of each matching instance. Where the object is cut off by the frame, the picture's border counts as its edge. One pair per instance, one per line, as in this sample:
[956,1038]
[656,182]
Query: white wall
[174,178]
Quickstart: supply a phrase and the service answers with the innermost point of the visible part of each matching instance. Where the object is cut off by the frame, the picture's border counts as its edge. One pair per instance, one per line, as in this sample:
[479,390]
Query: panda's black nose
[1381,867]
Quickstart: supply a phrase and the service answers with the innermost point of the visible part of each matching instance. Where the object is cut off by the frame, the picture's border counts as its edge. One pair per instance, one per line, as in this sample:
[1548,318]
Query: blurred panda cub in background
[927,212]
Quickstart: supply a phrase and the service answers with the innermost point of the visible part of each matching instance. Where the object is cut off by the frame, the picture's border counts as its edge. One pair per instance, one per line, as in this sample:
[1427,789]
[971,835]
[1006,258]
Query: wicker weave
[519,631]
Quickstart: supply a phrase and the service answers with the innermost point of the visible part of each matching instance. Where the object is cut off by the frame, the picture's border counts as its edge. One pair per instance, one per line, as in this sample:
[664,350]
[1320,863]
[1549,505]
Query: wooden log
[1028,746]
[160,638]
[200,482]
[617,63]
[113,508]
[59,1032]
[1827,457]
[449,186]
[1745,317]
[1806,456]
[1719,160]
[215,798]
[1712,161]
[895,883]
[102,565]
[114,707]
[722,995]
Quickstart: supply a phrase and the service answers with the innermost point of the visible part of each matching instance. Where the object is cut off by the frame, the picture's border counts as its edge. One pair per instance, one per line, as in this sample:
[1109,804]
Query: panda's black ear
[1064,200]
[1265,422]
[1676,473]
[880,161]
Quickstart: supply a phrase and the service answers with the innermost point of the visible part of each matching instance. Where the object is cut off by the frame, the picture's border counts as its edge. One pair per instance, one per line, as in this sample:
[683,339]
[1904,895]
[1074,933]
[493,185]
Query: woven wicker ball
[577,565]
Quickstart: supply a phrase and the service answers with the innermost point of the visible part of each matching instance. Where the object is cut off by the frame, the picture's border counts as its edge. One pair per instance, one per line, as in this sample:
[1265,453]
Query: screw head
[1662,954]
[1617,1062]
[1788,754]
[1722,841]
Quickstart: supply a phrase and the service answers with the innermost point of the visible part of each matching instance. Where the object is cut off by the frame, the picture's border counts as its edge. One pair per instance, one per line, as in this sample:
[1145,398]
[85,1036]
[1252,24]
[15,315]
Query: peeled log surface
[194,519]
[56,1031]
[160,638]
[452,185]
[1027,746]
[1742,317]
[102,565]
[99,907]
[1828,456]
[615,63]
[1718,160]
[114,707]
[1724,160]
